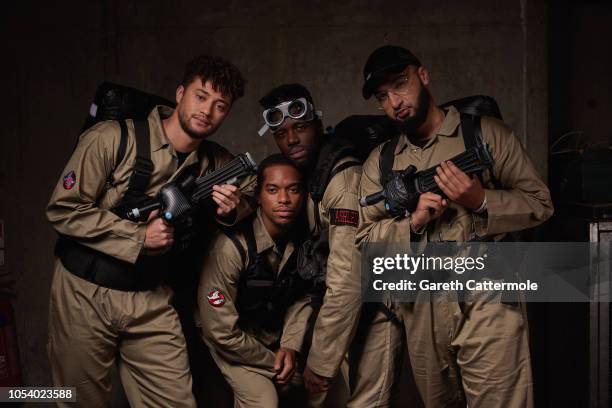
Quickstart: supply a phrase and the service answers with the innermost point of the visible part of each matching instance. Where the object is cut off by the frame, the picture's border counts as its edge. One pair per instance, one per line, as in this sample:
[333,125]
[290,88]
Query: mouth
[402,113]
[201,121]
[284,212]
[297,154]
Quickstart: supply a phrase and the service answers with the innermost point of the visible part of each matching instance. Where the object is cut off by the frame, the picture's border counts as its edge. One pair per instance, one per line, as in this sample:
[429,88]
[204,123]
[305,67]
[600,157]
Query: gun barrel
[137,213]
[241,166]
[372,199]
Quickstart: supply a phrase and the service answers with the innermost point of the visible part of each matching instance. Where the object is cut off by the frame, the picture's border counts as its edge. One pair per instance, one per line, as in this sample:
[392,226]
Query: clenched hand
[159,236]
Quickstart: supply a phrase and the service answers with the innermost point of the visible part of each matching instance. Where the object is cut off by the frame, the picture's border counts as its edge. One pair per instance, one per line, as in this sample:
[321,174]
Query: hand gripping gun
[177,199]
[403,187]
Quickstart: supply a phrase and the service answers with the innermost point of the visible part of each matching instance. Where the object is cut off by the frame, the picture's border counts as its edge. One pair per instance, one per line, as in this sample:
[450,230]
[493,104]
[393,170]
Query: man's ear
[423,74]
[180,92]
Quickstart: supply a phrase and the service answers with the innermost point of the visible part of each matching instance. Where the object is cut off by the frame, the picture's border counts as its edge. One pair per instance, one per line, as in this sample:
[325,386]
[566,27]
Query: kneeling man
[253,306]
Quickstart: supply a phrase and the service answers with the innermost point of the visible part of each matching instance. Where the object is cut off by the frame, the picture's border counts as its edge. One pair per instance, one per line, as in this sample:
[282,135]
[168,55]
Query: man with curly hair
[109,297]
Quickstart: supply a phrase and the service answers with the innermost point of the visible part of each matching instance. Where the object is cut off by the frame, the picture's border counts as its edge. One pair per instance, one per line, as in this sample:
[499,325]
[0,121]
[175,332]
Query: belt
[104,270]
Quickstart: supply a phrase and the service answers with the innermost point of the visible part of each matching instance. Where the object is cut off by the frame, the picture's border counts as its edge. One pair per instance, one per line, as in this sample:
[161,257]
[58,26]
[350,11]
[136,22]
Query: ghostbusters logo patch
[69,180]
[343,216]
[216,298]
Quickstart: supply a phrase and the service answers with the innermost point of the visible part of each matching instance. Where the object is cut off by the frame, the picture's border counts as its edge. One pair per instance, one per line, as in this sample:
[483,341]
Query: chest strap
[143,166]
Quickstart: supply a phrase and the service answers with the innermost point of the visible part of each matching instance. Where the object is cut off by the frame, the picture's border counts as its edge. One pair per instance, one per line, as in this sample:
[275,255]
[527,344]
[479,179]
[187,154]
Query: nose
[283,196]
[206,107]
[292,138]
[394,100]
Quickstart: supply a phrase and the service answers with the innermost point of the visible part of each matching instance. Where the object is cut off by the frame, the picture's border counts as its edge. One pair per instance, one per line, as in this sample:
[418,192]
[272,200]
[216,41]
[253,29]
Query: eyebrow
[391,80]
[204,91]
[297,183]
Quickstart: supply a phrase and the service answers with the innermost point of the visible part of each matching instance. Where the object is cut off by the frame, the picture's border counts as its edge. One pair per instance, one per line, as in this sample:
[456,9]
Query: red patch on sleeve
[343,216]
[69,180]
[216,298]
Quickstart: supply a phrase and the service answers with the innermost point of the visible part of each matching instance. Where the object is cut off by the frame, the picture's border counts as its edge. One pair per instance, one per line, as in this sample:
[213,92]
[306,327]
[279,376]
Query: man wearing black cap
[333,174]
[475,352]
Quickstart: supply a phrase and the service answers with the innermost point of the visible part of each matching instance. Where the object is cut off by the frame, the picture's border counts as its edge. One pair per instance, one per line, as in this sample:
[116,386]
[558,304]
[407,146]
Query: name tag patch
[343,216]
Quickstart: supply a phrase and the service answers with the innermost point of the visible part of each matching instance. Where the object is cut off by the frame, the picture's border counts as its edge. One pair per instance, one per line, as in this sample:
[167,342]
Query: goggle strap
[262,131]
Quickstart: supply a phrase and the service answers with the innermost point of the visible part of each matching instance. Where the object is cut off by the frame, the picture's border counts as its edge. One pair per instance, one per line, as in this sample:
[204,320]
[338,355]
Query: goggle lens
[296,109]
[275,117]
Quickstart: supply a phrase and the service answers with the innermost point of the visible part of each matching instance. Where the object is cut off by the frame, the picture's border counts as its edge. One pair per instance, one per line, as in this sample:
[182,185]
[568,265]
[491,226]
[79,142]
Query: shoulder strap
[249,236]
[143,166]
[232,236]
[470,126]
[386,160]
[331,152]
[123,135]
[343,166]
[122,142]
[472,136]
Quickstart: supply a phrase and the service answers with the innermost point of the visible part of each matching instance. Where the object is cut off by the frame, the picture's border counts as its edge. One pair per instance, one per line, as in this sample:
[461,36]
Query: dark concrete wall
[580,73]
[56,53]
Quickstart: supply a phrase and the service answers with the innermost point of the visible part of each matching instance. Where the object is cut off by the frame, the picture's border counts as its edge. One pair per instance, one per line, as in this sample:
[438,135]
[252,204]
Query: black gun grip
[174,203]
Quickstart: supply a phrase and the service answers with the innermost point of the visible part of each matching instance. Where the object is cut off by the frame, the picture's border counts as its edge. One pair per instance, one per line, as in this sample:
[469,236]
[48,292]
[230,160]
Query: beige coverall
[373,342]
[245,356]
[90,325]
[486,341]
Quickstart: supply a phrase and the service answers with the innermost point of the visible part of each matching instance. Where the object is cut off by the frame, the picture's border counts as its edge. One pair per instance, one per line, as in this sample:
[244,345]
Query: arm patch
[343,216]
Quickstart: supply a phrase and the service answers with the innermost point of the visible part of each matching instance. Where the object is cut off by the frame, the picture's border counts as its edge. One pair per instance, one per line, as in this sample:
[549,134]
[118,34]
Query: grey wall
[56,54]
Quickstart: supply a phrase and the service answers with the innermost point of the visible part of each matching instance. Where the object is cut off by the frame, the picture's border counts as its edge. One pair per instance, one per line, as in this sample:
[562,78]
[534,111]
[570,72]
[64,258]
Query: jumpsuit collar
[448,128]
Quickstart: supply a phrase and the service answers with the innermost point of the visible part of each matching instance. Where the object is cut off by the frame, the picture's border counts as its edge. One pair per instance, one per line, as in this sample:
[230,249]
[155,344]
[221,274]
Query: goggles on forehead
[298,108]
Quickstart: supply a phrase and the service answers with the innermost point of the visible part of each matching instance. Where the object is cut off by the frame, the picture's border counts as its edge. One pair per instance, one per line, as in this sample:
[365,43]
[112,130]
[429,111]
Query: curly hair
[224,76]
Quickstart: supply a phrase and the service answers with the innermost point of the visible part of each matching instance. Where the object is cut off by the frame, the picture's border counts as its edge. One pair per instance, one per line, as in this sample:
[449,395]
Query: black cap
[389,58]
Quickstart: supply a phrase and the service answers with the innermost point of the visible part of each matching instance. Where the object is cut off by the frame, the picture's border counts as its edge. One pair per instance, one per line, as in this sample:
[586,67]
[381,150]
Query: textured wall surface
[55,54]
[580,66]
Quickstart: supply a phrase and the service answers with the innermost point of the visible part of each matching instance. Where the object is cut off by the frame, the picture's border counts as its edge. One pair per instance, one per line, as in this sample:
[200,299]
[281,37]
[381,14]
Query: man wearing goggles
[332,211]
[298,108]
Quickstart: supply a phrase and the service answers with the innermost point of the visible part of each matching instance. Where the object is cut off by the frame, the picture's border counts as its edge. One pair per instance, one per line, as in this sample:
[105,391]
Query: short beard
[184,122]
[410,125]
